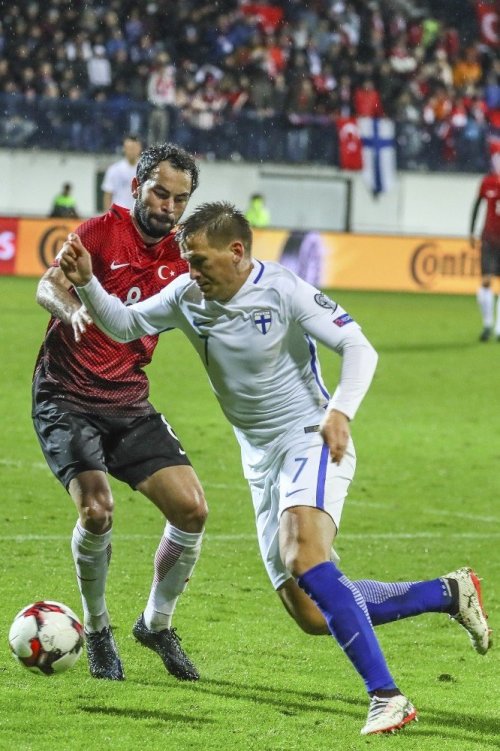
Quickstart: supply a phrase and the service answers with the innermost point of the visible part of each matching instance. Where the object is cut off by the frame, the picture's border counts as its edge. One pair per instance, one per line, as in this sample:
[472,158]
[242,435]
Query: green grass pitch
[425,500]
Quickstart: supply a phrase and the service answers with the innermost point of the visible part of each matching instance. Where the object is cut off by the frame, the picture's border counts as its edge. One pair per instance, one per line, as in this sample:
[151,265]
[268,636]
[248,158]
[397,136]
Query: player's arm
[120,322]
[53,294]
[475,209]
[329,323]
[107,187]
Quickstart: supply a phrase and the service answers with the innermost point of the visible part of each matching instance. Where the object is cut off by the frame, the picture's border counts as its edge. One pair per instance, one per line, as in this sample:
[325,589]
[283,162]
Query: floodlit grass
[425,500]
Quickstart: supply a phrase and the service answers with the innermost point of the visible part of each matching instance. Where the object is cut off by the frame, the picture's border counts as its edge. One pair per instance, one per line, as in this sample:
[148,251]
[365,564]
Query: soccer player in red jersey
[92,415]
[490,249]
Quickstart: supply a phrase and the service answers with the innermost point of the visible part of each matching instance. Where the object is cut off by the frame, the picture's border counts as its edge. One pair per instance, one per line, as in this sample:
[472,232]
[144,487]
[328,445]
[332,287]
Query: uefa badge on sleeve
[342,320]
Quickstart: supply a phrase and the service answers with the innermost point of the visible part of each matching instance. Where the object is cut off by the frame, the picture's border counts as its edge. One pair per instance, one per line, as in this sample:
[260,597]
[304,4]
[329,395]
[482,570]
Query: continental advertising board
[28,246]
[326,259]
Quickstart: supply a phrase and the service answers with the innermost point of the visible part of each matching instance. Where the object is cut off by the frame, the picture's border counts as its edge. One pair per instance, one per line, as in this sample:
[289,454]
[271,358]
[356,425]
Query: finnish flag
[379,153]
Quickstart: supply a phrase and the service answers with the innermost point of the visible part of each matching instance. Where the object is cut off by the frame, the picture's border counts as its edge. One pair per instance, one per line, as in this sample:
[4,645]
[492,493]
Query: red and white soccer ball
[46,637]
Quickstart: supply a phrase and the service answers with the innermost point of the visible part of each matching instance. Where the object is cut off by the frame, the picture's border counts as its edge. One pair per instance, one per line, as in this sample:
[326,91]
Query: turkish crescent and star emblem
[262,320]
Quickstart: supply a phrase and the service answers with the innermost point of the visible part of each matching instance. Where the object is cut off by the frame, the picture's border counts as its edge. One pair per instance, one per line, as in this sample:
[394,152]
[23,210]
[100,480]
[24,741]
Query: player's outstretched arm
[75,261]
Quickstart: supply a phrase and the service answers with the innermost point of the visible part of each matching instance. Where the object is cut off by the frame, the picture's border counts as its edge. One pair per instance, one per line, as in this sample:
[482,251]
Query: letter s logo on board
[7,245]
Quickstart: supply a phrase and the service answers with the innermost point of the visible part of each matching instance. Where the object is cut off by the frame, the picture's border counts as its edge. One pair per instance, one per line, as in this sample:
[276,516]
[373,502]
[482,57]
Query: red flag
[488,17]
[350,146]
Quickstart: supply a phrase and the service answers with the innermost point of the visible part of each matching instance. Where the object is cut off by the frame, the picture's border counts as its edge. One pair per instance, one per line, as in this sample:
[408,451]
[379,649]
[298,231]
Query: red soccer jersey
[98,375]
[490,191]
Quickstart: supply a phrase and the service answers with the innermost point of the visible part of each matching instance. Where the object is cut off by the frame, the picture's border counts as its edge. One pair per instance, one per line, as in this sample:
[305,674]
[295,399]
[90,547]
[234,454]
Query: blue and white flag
[263,320]
[379,153]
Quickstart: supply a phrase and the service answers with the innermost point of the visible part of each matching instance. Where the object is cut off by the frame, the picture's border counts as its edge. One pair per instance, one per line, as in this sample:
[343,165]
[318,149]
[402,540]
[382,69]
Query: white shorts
[301,474]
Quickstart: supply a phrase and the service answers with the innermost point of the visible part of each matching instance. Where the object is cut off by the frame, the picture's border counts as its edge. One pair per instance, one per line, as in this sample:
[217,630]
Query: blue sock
[347,618]
[391,601]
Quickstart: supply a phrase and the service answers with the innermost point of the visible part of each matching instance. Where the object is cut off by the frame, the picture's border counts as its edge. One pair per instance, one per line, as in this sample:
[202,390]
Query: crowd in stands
[236,79]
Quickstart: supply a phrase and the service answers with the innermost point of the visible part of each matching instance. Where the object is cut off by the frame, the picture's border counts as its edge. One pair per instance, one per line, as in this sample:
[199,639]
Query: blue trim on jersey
[314,359]
[260,272]
[320,486]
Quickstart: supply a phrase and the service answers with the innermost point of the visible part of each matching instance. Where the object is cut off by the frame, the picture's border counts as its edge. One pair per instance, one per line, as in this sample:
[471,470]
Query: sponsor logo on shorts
[294,492]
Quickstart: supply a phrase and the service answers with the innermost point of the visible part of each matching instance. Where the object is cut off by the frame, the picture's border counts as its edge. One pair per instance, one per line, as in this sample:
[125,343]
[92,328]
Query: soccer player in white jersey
[254,327]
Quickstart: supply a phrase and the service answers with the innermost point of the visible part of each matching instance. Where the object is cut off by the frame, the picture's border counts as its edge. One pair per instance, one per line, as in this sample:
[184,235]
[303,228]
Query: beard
[152,225]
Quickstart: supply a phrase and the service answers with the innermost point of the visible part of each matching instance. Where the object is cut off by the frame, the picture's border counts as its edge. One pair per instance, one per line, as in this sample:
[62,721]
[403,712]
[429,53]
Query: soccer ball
[46,637]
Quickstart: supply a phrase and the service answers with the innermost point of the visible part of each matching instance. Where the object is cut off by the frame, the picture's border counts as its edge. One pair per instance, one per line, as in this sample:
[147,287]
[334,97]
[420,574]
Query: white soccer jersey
[258,349]
[118,181]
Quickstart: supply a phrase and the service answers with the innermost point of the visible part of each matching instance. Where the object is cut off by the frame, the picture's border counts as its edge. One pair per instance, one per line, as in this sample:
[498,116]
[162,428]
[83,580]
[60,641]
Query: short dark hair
[220,221]
[132,137]
[167,152]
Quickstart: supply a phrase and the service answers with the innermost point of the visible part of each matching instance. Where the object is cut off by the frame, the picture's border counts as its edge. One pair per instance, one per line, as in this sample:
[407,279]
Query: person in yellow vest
[257,213]
[64,203]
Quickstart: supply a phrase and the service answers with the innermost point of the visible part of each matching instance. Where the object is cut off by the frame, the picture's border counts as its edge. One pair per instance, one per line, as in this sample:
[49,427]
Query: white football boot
[388,714]
[471,613]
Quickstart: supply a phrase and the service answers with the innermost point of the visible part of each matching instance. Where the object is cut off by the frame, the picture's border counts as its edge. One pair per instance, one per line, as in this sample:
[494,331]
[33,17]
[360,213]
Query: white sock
[92,554]
[486,302]
[497,320]
[175,560]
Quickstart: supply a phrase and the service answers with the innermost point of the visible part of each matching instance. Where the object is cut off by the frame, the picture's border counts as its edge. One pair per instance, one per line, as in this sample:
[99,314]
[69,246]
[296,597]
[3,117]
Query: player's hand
[80,321]
[75,261]
[336,433]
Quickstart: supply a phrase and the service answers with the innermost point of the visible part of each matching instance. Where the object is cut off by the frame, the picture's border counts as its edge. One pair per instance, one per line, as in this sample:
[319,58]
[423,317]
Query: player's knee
[192,510]
[297,559]
[96,512]
[197,515]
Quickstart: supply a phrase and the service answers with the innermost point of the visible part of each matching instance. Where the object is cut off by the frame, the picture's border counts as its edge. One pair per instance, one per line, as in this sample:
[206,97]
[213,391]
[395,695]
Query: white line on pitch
[221,537]
[433,511]
[242,487]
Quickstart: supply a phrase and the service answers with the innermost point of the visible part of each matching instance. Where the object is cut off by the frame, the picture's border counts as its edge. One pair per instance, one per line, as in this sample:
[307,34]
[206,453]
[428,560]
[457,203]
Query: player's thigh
[93,498]
[140,446]
[177,492]
[306,538]
[149,457]
[71,442]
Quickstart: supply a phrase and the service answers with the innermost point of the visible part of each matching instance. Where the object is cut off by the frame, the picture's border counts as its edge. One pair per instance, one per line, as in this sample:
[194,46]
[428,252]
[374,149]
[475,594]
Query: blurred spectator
[204,114]
[99,69]
[116,184]
[257,213]
[367,101]
[64,203]
[492,87]
[403,61]
[467,70]
[162,96]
